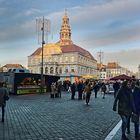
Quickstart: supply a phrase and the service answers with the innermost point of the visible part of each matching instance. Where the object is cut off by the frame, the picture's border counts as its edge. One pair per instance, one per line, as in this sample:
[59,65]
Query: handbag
[135,118]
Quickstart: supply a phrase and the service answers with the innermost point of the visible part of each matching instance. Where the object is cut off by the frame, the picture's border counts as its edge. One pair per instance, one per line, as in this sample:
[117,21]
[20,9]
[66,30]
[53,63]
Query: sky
[109,26]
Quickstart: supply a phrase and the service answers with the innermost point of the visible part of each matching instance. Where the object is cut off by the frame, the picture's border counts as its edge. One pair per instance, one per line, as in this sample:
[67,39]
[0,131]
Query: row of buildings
[102,71]
[66,59]
[112,69]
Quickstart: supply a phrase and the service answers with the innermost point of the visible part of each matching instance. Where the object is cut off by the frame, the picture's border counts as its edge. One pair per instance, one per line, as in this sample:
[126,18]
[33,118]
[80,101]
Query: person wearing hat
[4,95]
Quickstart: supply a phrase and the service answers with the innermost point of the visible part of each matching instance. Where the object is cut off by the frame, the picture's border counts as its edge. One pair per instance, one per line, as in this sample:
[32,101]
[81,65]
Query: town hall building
[63,58]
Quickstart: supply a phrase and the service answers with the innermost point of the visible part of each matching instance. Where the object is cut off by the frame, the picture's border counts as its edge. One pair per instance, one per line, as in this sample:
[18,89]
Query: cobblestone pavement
[131,136]
[38,117]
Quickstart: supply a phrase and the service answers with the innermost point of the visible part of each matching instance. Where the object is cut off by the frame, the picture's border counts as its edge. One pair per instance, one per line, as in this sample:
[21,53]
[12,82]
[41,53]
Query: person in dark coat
[103,88]
[53,88]
[126,106]
[59,88]
[87,91]
[73,90]
[96,89]
[80,88]
[136,95]
[116,87]
[4,95]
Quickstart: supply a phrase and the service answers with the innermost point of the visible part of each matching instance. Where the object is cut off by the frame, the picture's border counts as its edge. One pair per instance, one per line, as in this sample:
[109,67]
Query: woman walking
[103,88]
[87,91]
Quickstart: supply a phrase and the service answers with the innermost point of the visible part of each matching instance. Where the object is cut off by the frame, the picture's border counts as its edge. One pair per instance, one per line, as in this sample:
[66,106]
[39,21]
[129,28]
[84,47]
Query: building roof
[100,66]
[74,48]
[62,49]
[13,66]
[112,65]
[48,49]
[37,52]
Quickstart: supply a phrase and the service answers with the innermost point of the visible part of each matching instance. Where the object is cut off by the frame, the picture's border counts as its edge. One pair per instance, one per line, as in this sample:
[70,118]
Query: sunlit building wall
[63,57]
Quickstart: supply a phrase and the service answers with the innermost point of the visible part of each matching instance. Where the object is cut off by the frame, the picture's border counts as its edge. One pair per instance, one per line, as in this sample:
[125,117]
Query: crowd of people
[126,98]
[82,88]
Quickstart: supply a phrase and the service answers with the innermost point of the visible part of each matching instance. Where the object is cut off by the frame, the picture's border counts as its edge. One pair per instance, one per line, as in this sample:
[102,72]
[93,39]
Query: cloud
[109,38]
[23,25]
[56,20]
[30,12]
[17,25]
[1,1]
[126,58]
[99,17]
[18,32]
[2,11]
[109,10]
[106,24]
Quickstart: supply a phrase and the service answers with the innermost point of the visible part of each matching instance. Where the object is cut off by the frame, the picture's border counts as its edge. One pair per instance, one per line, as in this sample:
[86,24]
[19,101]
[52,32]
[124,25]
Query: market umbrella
[121,77]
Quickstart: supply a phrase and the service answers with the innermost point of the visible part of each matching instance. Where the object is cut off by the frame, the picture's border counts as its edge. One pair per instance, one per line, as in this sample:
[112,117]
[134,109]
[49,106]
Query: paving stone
[37,117]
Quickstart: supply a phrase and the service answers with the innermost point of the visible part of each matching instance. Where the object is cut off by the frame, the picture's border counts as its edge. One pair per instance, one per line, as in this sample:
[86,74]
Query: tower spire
[65,31]
[65,11]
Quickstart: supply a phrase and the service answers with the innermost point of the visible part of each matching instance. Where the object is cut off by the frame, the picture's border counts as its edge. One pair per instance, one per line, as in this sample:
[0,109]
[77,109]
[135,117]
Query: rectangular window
[72,70]
[72,59]
[66,58]
[66,70]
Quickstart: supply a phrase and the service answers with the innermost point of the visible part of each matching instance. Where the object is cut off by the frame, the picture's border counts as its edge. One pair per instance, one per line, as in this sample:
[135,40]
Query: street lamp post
[44,25]
[43,42]
[100,54]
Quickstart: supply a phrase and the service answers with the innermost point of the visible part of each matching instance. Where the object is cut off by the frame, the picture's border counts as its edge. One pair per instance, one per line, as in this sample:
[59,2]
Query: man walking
[4,95]
[125,102]
[96,89]
[136,95]
[116,87]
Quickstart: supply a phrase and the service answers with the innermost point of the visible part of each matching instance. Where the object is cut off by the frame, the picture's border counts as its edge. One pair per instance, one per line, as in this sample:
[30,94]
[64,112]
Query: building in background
[8,67]
[101,74]
[112,69]
[138,73]
[63,58]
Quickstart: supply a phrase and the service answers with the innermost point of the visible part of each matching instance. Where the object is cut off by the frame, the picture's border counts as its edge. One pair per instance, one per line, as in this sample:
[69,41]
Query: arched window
[51,70]
[60,70]
[56,70]
[46,70]
[66,70]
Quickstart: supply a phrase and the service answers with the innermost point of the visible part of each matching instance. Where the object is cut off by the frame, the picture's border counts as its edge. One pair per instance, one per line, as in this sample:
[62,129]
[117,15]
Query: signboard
[29,90]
